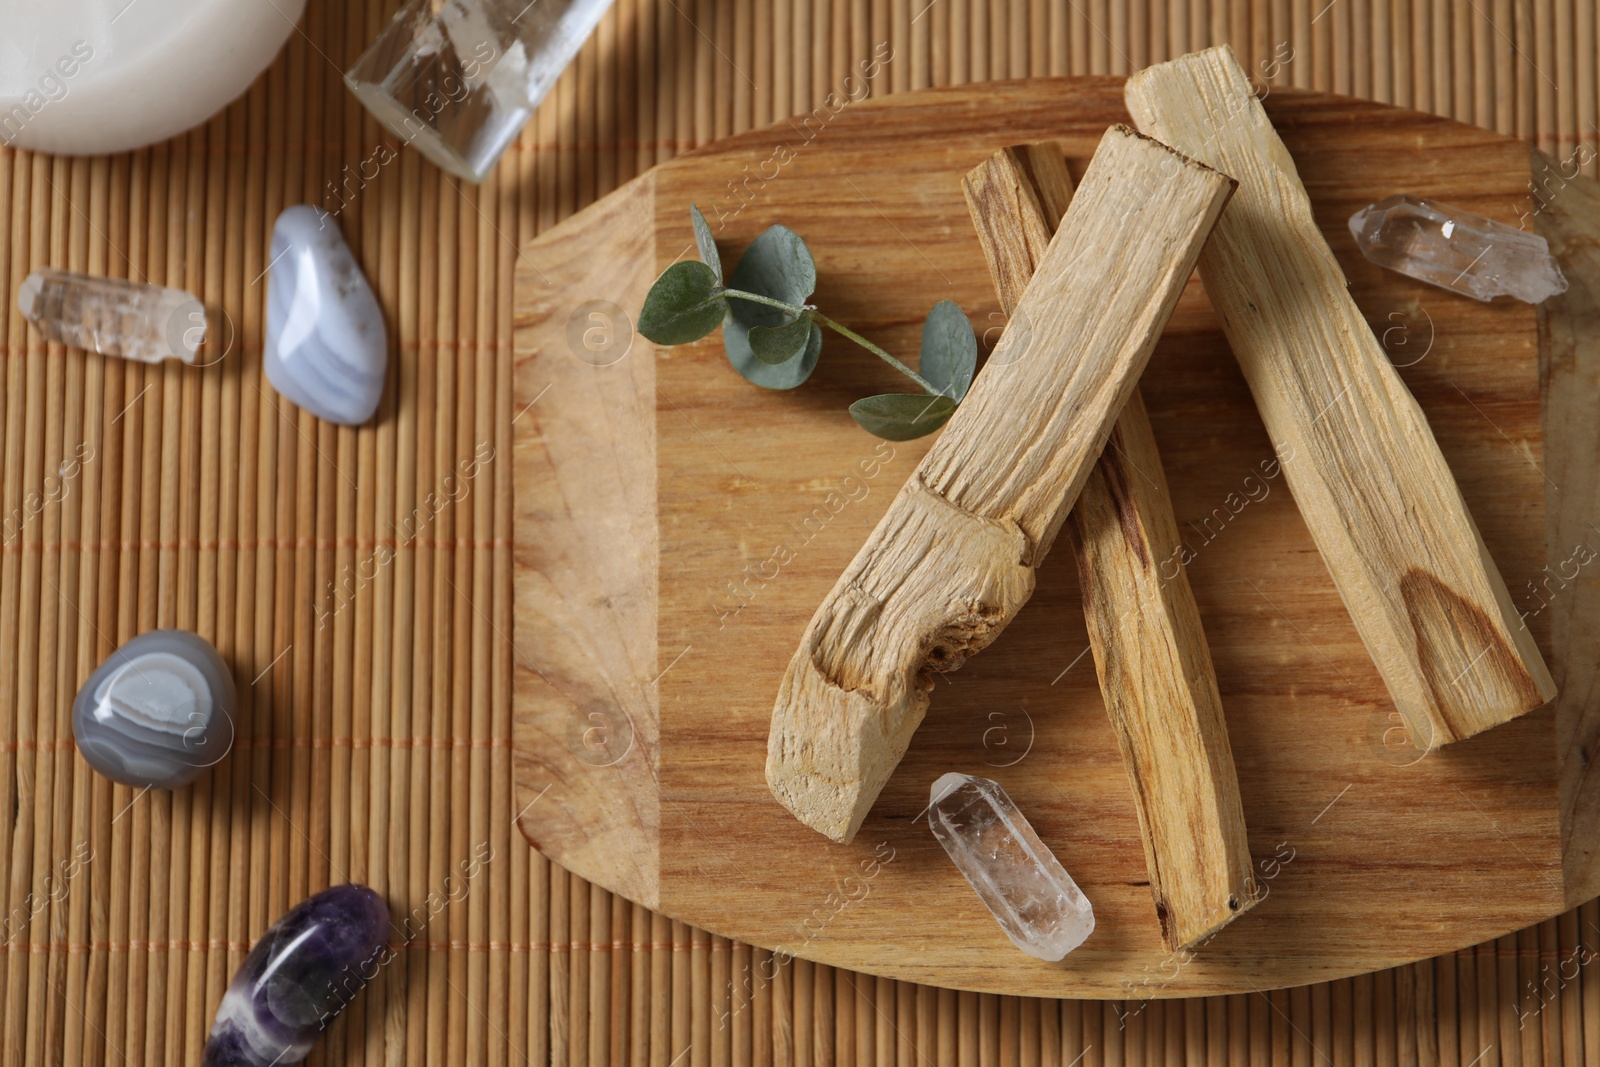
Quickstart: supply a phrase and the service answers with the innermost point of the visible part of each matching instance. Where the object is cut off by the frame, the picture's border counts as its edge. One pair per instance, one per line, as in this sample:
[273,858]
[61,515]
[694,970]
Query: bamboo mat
[359,582]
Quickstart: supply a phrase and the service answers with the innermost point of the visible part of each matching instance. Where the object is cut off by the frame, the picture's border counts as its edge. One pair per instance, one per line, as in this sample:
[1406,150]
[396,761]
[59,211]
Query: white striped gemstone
[327,346]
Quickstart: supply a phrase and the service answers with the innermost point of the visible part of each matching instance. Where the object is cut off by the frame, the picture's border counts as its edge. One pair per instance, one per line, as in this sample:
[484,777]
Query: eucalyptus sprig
[773,337]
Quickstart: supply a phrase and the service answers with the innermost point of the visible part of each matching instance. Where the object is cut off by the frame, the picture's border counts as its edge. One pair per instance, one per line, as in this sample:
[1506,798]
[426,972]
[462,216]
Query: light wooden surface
[1150,650]
[953,559]
[1569,333]
[591,598]
[1379,499]
[1348,825]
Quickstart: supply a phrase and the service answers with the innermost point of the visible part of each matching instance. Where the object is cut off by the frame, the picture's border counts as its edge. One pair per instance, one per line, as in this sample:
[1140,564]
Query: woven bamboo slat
[375,696]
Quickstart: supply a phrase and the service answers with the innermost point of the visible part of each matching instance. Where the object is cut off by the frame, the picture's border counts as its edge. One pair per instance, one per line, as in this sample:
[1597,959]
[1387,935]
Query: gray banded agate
[157,712]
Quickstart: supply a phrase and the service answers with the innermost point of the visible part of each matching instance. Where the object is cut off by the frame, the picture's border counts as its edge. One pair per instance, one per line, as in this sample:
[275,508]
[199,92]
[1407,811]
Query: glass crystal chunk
[1457,250]
[157,712]
[304,971]
[458,79]
[1037,904]
[113,317]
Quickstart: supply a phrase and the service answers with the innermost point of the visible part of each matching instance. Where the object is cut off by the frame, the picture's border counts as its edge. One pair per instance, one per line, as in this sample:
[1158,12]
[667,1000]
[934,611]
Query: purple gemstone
[301,974]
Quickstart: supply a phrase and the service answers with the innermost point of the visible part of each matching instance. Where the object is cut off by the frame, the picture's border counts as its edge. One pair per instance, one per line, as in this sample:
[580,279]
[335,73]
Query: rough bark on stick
[1149,646]
[1429,603]
[952,560]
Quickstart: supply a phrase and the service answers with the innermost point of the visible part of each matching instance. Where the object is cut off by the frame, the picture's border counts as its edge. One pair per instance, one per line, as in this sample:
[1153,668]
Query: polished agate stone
[301,974]
[327,346]
[157,712]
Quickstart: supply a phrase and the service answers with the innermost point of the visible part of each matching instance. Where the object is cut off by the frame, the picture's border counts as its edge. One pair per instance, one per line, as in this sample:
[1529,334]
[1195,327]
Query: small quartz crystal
[1457,250]
[304,971]
[458,79]
[1037,904]
[113,317]
[157,712]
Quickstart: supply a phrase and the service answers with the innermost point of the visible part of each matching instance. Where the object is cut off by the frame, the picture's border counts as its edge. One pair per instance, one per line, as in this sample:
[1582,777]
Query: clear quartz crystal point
[1457,250]
[1037,904]
[458,79]
[113,317]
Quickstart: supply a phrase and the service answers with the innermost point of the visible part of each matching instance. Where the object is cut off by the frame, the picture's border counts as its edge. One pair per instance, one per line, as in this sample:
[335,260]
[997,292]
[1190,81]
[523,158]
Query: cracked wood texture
[1378,495]
[1371,854]
[953,559]
[1149,644]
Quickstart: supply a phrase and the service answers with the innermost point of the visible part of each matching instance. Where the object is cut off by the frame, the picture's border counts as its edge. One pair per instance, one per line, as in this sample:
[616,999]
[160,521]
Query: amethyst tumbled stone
[302,973]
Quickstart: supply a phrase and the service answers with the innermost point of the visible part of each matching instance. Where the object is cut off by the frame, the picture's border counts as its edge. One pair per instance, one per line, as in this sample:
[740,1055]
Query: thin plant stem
[757,298]
[875,350]
[797,309]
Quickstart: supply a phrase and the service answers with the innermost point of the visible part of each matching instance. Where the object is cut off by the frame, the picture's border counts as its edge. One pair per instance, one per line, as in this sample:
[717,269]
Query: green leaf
[736,341]
[780,344]
[949,350]
[902,416]
[683,305]
[777,264]
[705,242]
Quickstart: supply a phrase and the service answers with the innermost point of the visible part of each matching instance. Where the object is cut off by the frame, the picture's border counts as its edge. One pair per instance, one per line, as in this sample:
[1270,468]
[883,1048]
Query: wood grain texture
[1149,644]
[1380,499]
[1567,214]
[763,499]
[586,549]
[953,559]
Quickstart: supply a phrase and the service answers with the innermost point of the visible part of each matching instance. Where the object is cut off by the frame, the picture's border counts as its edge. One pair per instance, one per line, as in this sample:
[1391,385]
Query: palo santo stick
[952,560]
[1380,501]
[1149,647]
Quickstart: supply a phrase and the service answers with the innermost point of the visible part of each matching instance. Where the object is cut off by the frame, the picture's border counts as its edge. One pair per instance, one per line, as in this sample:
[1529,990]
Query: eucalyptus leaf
[778,265]
[683,305]
[902,416]
[949,350]
[705,242]
[736,341]
[780,344]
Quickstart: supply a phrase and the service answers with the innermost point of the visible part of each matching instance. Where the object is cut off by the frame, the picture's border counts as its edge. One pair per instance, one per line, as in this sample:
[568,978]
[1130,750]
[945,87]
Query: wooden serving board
[676,528]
